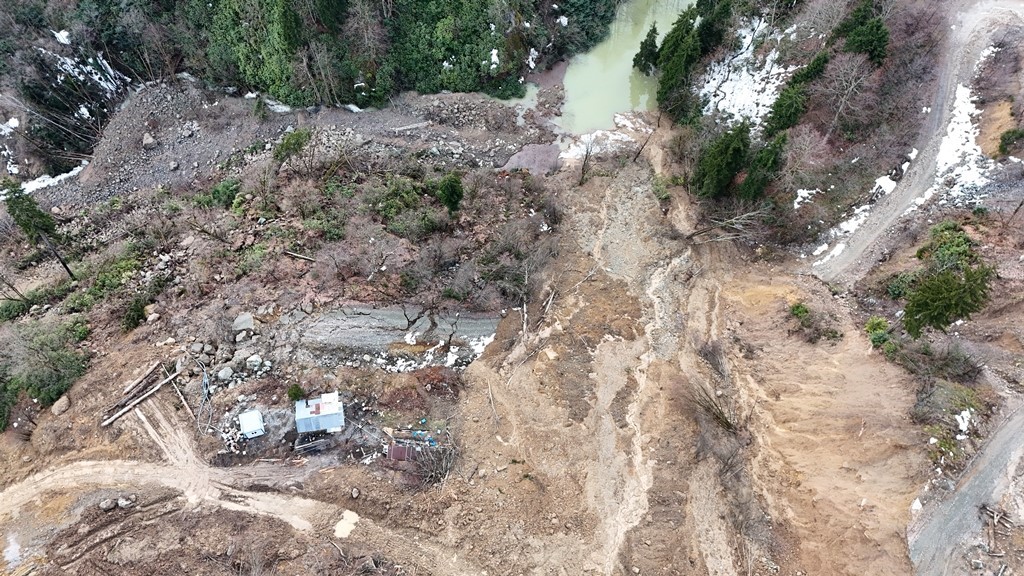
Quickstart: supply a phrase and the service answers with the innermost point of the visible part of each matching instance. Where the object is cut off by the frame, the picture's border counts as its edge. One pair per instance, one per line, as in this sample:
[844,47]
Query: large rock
[253,362]
[60,406]
[245,321]
[107,504]
[225,374]
[148,142]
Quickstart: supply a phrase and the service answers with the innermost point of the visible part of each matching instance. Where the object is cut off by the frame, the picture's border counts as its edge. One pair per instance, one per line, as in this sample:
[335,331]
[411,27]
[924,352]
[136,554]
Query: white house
[325,413]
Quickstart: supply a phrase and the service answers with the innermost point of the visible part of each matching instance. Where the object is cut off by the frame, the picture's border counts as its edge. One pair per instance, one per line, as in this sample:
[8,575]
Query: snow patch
[803,197]
[64,37]
[961,168]
[275,106]
[884,186]
[494,58]
[563,21]
[740,87]
[531,61]
[45,181]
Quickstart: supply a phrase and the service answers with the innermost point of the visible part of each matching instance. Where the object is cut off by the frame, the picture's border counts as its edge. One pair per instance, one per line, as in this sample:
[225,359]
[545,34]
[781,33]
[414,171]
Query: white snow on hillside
[45,181]
[64,37]
[740,86]
[961,167]
[97,69]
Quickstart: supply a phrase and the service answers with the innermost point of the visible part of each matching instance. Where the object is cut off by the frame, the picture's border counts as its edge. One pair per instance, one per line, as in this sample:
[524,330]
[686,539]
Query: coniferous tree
[646,60]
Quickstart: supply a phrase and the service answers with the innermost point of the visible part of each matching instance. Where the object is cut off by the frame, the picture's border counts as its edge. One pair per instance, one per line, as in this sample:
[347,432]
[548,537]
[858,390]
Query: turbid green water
[602,82]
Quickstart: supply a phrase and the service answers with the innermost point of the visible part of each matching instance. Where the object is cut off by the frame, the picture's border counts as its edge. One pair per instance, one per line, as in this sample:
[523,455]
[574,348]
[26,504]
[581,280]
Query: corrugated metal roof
[323,413]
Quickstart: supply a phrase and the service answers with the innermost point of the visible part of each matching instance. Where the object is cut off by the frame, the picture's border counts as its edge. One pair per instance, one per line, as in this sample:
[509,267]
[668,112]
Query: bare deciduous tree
[806,151]
[821,16]
[844,82]
[364,26]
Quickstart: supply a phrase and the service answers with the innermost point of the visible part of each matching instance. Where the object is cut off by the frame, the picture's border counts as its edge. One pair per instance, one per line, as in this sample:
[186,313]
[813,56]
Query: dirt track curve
[972,33]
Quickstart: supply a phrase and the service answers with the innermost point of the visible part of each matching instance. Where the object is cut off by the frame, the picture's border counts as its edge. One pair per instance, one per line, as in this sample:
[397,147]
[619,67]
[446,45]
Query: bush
[1009,139]
[292,144]
[800,311]
[876,324]
[222,195]
[450,192]
[878,338]
[134,314]
[296,393]
[901,284]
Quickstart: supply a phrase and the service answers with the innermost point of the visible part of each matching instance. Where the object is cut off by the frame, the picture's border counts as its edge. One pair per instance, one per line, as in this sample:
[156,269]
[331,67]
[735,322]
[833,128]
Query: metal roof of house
[323,413]
[250,423]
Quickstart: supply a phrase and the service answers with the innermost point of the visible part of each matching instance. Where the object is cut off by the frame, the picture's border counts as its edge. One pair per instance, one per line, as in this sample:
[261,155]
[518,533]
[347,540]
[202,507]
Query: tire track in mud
[202,484]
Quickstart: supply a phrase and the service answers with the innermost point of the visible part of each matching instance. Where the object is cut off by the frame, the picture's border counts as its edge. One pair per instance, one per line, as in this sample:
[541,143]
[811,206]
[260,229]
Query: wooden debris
[183,401]
[299,256]
[138,400]
[142,378]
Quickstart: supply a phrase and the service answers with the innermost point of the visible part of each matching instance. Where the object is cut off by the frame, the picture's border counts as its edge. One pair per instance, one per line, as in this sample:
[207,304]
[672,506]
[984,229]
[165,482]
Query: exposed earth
[589,441]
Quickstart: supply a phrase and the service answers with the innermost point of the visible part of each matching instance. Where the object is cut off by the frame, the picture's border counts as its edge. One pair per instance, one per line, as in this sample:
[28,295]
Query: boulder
[148,141]
[225,373]
[124,503]
[152,318]
[196,348]
[244,321]
[253,362]
[107,504]
[60,406]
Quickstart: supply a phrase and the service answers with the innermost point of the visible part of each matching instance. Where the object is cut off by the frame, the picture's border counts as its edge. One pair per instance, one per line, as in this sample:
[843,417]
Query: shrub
[292,144]
[78,302]
[800,311]
[296,393]
[878,338]
[878,331]
[1009,139]
[252,259]
[222,195]
[901,284]
[134,314]
[876,324]
[450,192]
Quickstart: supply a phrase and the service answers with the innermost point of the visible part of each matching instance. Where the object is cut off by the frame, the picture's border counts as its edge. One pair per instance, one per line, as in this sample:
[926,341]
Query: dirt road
[972,32]
[934,538]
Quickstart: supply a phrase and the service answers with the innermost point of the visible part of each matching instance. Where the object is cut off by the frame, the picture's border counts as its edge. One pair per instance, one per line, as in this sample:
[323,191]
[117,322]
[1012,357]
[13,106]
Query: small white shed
[250,423]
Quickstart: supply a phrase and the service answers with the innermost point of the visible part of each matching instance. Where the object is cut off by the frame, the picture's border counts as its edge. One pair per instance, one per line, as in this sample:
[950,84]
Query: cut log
[138,400]
[142,378]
